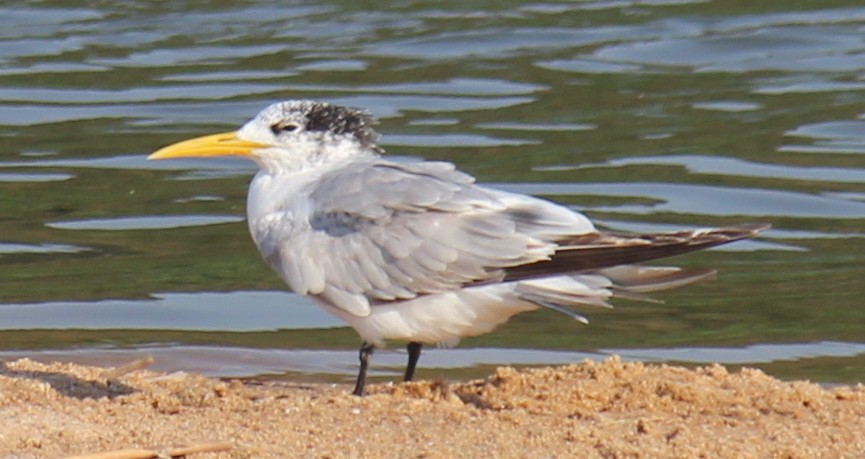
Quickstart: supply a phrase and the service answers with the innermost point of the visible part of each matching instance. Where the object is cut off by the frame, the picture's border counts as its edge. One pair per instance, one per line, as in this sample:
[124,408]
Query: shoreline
[602,409]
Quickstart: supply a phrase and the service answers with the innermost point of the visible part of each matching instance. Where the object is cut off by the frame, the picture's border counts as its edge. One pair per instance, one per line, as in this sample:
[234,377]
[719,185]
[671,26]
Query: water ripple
[12,247]
[264,310]
[839,137]
[703,199]
[25,177]
[145,222]
[740,168]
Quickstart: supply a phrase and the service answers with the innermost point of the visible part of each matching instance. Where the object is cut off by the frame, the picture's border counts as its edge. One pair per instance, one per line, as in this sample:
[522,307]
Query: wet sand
[608,409]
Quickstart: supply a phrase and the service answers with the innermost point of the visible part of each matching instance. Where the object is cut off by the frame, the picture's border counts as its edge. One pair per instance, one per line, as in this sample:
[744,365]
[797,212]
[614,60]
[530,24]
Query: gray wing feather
[382,231]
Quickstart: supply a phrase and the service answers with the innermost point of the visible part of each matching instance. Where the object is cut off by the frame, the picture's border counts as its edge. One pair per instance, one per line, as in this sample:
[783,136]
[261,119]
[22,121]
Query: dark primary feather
[596,251]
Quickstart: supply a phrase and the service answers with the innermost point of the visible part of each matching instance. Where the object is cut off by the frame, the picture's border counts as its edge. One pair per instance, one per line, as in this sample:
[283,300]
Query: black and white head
[289,134]
[286,123]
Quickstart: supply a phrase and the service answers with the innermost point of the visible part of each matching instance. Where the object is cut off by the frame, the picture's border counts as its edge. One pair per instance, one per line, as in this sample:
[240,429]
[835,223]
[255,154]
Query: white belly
[442,318]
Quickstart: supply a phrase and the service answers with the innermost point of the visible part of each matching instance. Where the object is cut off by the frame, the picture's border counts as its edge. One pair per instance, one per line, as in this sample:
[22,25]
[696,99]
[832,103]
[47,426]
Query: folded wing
[378,231]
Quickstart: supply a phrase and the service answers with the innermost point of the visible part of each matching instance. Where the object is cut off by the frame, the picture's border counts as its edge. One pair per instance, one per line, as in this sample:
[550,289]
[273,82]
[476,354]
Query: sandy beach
[608,409]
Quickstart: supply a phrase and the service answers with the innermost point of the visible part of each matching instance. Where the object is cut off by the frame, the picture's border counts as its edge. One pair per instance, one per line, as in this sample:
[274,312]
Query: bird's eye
[283,127]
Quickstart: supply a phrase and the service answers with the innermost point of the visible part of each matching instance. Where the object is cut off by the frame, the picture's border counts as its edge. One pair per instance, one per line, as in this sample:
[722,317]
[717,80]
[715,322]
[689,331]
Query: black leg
[365,353]
[413,356]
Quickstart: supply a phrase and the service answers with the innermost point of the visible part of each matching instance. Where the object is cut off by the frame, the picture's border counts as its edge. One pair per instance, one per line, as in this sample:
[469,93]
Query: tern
[418,251]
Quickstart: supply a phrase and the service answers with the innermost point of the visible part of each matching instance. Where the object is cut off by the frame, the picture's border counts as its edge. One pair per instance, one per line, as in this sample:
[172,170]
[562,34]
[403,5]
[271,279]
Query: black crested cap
[324,117]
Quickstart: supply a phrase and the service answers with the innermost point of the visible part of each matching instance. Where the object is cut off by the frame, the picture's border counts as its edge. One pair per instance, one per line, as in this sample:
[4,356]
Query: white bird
[418,251]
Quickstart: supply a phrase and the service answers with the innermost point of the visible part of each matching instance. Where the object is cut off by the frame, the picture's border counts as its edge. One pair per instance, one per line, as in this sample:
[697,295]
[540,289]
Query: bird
[419,252]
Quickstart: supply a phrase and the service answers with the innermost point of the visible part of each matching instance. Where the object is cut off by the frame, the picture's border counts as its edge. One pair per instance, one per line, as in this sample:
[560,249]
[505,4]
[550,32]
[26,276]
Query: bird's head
[288,132]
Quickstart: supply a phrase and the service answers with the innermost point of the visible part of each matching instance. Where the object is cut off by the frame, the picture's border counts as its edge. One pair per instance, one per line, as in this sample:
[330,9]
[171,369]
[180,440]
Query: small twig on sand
[158,454]
[135,365]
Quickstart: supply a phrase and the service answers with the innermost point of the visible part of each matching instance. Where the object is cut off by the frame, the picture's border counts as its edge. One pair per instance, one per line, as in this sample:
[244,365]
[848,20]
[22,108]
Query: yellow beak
[222,144]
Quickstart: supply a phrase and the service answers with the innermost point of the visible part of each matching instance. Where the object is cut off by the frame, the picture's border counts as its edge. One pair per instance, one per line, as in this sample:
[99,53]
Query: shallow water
[647,115]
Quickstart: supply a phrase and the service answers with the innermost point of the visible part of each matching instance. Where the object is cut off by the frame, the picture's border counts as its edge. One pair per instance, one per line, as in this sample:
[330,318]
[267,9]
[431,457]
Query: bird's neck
[281,188]
[311,156]
[279,199]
